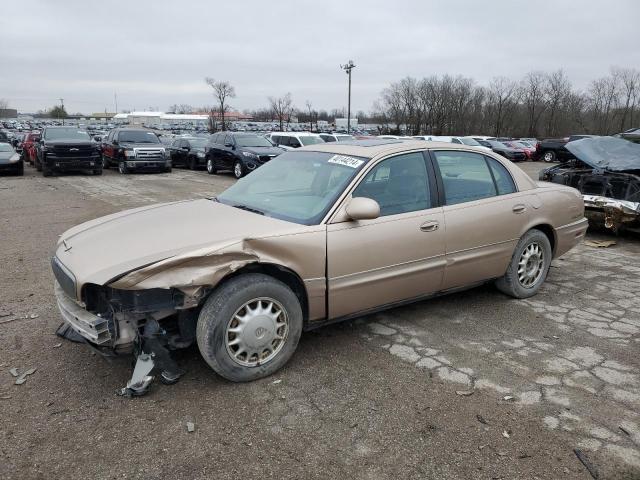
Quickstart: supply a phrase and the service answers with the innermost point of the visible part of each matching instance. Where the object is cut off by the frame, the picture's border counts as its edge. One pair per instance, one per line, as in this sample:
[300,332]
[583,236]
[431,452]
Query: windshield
[299,187]
[470,141]
[310,140]
[252,141]
[66,134]
[137,136]
[198,142]
[5,147]
[495,144]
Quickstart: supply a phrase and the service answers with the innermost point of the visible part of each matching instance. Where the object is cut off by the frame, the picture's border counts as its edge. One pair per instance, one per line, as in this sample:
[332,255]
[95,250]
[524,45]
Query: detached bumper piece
[615,214]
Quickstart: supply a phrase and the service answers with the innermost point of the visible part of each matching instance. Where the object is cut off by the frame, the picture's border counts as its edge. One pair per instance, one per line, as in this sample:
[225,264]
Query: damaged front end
[607,173]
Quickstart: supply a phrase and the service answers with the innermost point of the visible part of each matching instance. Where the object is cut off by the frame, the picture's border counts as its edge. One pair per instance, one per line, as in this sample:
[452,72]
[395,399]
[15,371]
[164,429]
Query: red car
[29,147]
[528,151]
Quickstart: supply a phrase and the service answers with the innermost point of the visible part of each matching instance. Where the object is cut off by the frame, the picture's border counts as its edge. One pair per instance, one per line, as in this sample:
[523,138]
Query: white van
[290,140]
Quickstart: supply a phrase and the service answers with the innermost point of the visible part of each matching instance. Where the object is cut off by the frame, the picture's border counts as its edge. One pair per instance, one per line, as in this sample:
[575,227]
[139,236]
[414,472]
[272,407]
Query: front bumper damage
[613,214]
[120,332]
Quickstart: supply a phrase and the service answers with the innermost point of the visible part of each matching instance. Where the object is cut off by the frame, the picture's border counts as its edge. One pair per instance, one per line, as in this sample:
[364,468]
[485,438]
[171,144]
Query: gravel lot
[371,398]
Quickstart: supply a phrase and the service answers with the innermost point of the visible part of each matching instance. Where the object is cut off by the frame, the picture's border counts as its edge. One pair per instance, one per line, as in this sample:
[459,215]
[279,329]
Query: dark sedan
[239,152]
[188,152]
[513,154]
[10,160]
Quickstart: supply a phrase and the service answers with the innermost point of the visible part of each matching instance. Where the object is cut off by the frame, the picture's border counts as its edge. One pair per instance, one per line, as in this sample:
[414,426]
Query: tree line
[542,104]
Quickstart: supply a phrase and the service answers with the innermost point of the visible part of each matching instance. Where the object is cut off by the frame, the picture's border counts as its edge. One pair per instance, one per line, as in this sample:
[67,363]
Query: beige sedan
[317,235]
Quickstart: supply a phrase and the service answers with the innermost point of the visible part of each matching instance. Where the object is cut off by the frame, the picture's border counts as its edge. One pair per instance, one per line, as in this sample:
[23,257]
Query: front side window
[465,176]
[295,186]
[399,184]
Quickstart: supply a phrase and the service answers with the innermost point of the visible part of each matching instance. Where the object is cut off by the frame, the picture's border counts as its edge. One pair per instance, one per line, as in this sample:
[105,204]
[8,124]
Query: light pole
[347,68]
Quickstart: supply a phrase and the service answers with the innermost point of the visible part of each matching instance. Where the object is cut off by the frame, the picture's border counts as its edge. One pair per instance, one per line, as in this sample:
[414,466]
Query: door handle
[431,226]
[519,208]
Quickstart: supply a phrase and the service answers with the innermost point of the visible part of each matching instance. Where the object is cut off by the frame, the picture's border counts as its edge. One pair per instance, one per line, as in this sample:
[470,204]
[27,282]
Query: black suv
[239,152]
[66,148]
[135,149]
[188,152]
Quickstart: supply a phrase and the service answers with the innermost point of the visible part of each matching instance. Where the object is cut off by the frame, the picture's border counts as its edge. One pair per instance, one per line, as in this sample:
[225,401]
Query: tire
[549,156]
[46,171]
[105,163]
[122,168]
[38,164]
[193,165]
[97,171]
[238,170]
[167,170]
[211,169]
[534,249]
[218,315]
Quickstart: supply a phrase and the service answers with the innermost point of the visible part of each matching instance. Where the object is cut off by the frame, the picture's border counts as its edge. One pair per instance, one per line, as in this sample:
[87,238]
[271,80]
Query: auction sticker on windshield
[346,161]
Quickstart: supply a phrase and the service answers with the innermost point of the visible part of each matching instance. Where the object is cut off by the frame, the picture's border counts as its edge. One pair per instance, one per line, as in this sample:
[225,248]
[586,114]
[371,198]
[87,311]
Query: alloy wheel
[531,265]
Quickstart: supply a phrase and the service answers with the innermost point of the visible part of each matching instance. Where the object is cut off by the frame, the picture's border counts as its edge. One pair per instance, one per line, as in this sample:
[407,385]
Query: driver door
[398,256]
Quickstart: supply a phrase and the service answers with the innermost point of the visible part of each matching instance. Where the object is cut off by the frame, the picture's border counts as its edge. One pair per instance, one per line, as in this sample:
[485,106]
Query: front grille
[64,277]
[73,150]
[150,154]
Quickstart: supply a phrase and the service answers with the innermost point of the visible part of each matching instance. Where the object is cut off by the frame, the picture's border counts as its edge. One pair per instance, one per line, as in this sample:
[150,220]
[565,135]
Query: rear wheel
[46,171]
[529,266]
[249,327]
[549,156]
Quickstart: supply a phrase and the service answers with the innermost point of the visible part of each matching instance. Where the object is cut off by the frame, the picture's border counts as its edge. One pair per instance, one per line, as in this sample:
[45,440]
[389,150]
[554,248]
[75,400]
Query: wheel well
[549,232]
[285,275]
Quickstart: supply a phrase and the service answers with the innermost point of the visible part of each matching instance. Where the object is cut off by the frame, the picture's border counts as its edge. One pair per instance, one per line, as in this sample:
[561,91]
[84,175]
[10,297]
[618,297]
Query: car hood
[606,153]
[140,145]
[5,156]
[70,141]
[103,249]
[264,150]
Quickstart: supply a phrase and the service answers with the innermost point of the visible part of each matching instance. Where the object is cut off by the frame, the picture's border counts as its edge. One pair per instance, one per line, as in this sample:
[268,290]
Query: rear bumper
[570,235]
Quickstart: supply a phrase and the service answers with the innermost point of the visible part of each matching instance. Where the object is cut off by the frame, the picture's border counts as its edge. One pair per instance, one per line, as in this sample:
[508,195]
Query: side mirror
[115,142]
[228,145]
[363,208]
[186,149]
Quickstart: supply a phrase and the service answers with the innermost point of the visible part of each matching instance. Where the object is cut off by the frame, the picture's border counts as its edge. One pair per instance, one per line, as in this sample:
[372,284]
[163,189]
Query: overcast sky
[157,53]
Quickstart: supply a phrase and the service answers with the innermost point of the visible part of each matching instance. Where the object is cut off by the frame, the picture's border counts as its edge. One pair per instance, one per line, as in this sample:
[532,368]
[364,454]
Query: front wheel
[529,266]
[249,327]
[97,171]
[122,168]
[105,163]
[549,156]
[211,169]
[238,169]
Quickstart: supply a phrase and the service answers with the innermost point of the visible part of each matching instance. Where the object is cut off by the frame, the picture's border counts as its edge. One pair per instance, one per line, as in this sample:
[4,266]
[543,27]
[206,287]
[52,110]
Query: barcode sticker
[346,161]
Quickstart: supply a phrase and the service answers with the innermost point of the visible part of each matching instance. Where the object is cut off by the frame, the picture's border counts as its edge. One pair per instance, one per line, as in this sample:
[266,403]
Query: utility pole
[62,106]
[115,98]
[347,68]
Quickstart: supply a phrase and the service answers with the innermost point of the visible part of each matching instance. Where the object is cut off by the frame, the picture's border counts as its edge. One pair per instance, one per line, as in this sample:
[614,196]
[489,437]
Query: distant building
[8,113]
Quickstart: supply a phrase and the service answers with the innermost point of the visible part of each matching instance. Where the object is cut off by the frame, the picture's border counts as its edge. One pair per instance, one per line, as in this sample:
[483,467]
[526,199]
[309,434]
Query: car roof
[373,148]
[296,134]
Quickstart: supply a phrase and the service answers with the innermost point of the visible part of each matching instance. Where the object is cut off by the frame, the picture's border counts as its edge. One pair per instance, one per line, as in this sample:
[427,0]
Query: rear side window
[465,176]
[504,182]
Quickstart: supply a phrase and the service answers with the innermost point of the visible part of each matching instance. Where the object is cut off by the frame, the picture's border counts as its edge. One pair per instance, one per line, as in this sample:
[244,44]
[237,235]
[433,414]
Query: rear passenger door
[484,215]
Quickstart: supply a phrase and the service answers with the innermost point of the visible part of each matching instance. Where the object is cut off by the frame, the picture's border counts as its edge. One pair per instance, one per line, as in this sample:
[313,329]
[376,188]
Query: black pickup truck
[66,148]
[552,149]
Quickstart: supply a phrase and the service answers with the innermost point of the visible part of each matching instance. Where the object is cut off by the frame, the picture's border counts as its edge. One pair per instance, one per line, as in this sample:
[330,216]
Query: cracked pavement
[371,398]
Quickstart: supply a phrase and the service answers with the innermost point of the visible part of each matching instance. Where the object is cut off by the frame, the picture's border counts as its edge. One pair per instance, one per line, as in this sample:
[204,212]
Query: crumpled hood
[606,153]
[105,248]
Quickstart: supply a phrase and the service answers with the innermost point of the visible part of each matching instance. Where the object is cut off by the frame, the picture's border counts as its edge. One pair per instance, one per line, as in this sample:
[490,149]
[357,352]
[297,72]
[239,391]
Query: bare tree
[501,96]
[534,97]
[282,108]
[630,90]
[222,91]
